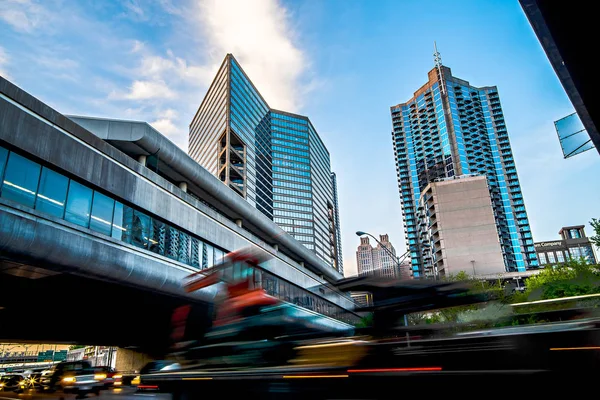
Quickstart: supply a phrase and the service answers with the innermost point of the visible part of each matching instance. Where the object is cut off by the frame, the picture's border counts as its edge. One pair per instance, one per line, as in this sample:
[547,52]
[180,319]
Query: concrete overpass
[94,244]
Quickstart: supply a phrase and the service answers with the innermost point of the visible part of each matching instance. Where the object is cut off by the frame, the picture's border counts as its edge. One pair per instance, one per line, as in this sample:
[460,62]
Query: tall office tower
[451,128]
[377,260]
[338,233]
[273,159]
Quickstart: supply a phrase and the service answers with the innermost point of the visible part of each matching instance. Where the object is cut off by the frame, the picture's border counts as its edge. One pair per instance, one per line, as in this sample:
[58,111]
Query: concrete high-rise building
[378,261]
[452,128]
[273,159]
[456,222]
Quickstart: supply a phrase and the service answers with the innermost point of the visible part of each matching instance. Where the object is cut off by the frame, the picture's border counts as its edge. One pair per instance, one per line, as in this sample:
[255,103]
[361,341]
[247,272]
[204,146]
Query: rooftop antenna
[437,60]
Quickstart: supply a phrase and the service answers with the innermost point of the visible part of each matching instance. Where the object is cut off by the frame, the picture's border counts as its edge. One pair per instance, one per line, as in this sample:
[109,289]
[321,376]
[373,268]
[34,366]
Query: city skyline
[344,72]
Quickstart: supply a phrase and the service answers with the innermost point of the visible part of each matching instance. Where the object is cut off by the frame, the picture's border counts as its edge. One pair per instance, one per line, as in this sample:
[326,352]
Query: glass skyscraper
[451,128]
[273,159]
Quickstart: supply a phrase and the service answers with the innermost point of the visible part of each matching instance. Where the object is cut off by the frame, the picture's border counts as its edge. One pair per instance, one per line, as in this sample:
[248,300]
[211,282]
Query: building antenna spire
[437,60]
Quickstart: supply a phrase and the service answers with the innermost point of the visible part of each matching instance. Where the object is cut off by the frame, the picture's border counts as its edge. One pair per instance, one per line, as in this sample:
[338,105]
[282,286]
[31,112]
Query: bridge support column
[130,360]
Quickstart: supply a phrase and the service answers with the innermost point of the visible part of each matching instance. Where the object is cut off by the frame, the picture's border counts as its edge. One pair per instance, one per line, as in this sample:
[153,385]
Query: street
[114,394]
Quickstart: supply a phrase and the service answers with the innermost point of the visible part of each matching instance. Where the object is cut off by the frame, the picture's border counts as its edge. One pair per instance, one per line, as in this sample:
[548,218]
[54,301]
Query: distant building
[362,299]
[573,243]
[378,261]
[457,229]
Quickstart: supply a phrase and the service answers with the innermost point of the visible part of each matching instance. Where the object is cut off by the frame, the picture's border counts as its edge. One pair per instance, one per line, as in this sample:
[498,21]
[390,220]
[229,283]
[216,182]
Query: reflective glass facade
[452,128]
[30,184]
[274,159]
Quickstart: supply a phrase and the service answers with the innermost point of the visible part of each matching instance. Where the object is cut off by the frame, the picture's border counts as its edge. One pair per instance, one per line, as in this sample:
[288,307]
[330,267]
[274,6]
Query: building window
[575,252]
[3,158]
[79,203]
[21,180]
[102,213]
[542,257]
[560,257]
[551,259]
[574,233]
[52,193]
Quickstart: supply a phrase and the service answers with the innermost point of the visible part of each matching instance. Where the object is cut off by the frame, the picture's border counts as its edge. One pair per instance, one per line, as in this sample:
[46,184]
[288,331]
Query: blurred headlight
[119,376]
[1,384]
[136,380]
[100,377]
[117,383]
[69,379]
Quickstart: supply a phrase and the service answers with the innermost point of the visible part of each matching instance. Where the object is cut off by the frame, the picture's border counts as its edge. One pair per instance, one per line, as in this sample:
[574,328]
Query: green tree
[596,238]
[573,278]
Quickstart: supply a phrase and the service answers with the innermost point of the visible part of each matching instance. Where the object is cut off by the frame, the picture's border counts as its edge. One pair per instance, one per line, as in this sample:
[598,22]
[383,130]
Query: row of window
[279,220]
[284,156]
[289,151]
[286,117]
[558,256]
[290,144]
[292,178]
[288,206]
[295,229]
[291,164]
[291,192]
[28,183]
[292,199]
[291,171]
[291,185]
[277,134]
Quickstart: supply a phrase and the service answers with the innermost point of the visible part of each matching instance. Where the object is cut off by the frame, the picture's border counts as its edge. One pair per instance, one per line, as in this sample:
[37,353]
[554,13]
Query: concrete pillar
[238,222]
[276,247]
[183,186]
[129,360]
[142,159]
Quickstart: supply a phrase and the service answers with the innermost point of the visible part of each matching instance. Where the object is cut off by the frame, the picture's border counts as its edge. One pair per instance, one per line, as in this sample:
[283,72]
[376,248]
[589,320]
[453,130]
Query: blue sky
[342,63]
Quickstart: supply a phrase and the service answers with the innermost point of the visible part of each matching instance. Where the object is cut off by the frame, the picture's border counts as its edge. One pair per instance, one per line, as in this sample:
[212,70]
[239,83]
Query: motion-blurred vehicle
[250,327]
[34,381]
[12,383]
[72,377]
[151,368]
[106,375]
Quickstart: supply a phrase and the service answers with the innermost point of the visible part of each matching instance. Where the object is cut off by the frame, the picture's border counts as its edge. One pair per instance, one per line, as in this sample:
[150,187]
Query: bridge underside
[43,306]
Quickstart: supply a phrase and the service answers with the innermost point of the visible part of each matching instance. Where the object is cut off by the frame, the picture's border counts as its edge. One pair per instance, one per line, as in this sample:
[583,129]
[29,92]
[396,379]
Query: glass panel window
[21,180]
[79,203]
[52,193]
[560,257]
[140,229]
[542,257]
[3,158]
[102,213]
[119,231]
[551,258]
[157,237]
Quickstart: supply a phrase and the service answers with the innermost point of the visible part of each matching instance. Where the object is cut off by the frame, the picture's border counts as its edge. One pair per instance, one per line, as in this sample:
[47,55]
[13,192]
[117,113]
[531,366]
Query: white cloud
[259,35]
[23,15]
[3,62]
[165,126]
[144,90]
[137,46]
[134,7]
